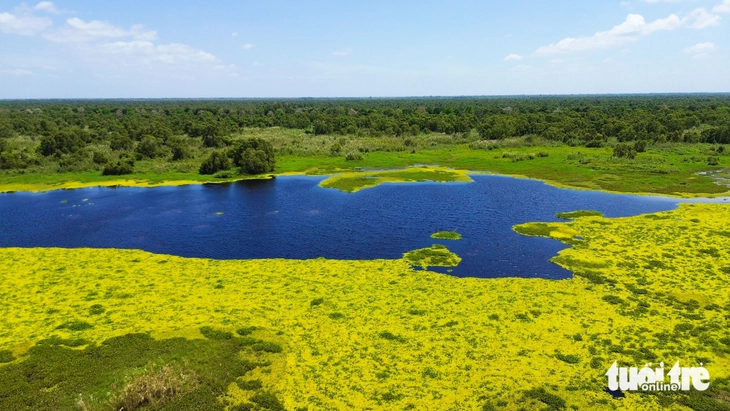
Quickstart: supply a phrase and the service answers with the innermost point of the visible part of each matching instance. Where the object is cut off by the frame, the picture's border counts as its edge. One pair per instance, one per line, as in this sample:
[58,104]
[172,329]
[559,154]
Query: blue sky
[272,48]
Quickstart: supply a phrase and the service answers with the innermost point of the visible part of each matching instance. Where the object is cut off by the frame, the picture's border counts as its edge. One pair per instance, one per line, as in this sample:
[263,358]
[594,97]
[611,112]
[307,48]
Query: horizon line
[464,96]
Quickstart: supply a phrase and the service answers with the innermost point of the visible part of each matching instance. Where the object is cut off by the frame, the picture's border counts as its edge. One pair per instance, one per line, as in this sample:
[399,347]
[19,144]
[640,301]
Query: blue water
[292,217]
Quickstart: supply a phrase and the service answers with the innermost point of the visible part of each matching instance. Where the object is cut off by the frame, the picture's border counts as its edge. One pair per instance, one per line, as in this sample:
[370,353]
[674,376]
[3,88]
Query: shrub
[622,150]
[316,302]
[217,161]
[353,156]
[640,146]
[713,161]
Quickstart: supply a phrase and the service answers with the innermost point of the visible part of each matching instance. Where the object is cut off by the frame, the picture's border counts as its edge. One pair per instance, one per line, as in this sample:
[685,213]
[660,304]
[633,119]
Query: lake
[292,217]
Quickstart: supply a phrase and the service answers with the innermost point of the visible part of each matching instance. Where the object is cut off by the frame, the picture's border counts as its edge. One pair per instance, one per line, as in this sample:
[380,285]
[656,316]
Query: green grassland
[665,168]
[378,334]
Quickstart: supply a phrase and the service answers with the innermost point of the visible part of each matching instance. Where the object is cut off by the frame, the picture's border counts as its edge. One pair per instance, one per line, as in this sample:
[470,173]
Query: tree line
[148,129]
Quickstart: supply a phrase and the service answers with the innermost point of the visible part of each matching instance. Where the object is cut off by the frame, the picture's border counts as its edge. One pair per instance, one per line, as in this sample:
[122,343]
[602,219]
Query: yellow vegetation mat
[380,335]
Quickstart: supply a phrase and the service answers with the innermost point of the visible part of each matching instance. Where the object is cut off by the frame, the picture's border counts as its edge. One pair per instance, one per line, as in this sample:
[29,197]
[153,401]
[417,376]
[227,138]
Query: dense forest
[77,135]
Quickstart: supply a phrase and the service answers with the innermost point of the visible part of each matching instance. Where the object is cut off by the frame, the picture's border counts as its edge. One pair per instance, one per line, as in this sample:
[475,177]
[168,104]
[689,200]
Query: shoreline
[131,182]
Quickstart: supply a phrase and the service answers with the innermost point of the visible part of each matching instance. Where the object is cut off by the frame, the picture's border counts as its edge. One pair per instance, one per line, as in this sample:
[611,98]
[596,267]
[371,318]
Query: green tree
[65,142]
[149,147]
[217,161]
[254,156]
[125,165]
[180,149]
[119,142]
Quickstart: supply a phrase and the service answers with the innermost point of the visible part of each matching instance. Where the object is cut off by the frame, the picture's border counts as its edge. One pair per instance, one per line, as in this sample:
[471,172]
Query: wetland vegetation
[650,144]
[377,334]
[446,235]
[103,329]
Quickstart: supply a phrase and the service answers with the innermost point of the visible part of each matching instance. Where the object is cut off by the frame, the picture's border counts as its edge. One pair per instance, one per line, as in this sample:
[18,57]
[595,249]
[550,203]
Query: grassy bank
[666,168]
[380,335]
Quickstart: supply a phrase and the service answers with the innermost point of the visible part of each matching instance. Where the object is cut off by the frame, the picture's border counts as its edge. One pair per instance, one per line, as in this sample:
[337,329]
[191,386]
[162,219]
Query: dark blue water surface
[292,217]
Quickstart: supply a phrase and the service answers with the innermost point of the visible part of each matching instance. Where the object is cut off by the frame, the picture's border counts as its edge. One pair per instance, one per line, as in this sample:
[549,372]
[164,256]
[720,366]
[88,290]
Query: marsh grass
[446,235]
[436,255]
[129,372]
[463,329]
[354,181]
[155,386]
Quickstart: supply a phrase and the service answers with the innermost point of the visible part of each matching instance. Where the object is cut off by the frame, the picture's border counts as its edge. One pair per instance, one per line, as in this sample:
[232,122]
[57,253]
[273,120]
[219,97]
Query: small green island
[435,256]
[446,235]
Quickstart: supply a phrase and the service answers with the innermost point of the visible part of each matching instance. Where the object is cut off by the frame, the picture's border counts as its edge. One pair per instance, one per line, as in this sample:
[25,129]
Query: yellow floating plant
[380,335]
[358,180]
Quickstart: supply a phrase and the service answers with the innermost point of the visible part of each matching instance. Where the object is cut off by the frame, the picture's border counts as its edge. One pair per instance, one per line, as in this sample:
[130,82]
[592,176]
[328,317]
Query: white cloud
[23,25]
[701,19]
[147,52]
[46,6]
[16,72]
[77,30]
[723,7]
[344,52]
[234,34]
[630,30]
[247,46]
[662,1]
[701,48]
[513,57]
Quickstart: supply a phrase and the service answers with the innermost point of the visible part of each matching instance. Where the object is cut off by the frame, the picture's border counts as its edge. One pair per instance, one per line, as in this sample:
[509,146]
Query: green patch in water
[446,235]
[435,256]
[579,213]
